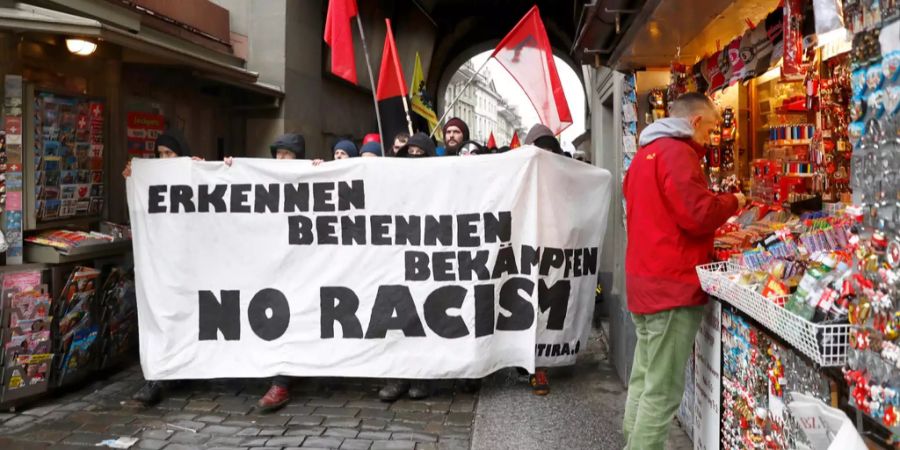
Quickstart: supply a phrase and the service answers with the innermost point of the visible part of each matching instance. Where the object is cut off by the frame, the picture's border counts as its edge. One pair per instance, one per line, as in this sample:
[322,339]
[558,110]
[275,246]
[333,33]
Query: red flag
[491,143]
[514,142]
[526,54]
[339,37]
[390,77]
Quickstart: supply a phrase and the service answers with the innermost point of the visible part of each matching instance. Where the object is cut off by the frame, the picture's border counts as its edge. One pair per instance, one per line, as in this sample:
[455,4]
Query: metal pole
[406,110]
[450,106]
[362,36]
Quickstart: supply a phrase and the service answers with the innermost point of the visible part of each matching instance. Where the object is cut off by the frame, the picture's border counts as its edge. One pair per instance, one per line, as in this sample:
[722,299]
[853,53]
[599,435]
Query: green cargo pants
[664,343]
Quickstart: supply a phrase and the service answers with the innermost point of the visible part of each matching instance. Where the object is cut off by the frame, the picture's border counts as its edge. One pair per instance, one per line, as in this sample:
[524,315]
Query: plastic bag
[825,427]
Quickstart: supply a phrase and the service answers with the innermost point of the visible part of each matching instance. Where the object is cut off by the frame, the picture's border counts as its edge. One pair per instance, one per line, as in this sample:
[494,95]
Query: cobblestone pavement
[324,413]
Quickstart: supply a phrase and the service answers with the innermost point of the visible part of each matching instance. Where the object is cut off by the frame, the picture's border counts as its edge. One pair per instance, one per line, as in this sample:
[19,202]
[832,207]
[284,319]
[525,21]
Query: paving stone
[201,405]
[423,417]
[453,444]
[404,427]
[190,424]
[224,448]
[374,435]
[124,430]
[243,423]
[265,448]
[174,417]
[211,419]
[373,424]
[236,408]
[326,402]
[271,431]
[426,446]
[460,405]
[344,422]
[307,420]
[460,418]
[172,404]
[286,441]
[393,445]
[18,421]
[186,437]
[254,441]
[418,437]
[41,411]
[180,447]
[369,404]
[98,428]
[345,433]
[46,435]
[6,416]
[74,406]
[336,412]
[271,421]
[295,410]
[84,438]
[151,444]
[251,431]
[375,414]
[409,405]
[434,428]
[221,430]
[304,431]
[161,435]
[226,440]
[323,442]
[356,444]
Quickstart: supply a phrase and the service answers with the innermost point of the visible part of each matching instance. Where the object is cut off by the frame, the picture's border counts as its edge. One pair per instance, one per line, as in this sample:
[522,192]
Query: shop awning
[214,65]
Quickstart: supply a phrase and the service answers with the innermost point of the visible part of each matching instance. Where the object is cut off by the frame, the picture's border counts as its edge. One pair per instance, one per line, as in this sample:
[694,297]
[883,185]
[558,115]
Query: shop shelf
[824,344]
[43,254]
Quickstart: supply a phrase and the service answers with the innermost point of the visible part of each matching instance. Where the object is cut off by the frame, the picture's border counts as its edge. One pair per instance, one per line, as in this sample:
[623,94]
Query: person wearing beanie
[455,133]
[289,146]
[345,149]
[371,149]
[541,136]
[418,145]
[471,148]
[371,137]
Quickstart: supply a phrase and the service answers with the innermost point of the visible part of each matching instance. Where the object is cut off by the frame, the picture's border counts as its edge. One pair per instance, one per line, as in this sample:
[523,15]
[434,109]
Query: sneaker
[149,394]
[419,390]
[540,383]
[277,397]
[393,391]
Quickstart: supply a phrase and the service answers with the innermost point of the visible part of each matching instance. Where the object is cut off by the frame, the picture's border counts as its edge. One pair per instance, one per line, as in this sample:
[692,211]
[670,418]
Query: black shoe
[393,391]
[149,394]
[419,390]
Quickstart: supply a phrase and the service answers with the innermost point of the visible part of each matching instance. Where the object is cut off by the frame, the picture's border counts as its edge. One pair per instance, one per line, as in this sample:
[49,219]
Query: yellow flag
[420,104]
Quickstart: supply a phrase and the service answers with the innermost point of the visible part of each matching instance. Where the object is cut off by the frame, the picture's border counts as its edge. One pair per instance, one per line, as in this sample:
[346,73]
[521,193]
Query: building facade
[482,107]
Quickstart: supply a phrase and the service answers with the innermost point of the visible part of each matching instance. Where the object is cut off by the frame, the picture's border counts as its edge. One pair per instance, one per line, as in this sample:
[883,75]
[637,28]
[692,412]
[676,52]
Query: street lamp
[80,47]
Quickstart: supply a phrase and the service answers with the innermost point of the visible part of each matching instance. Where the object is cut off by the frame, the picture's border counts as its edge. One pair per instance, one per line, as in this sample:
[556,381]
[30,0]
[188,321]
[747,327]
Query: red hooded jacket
[672,218]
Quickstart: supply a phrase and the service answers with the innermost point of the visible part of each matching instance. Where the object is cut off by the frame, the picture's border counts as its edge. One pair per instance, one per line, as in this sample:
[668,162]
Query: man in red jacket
[672,216]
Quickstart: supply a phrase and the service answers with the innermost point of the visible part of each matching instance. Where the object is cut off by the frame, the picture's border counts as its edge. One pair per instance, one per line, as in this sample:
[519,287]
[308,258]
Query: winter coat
[672,217]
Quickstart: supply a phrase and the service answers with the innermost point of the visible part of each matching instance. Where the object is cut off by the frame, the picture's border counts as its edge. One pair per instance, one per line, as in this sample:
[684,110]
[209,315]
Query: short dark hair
[402,136]
[691,103]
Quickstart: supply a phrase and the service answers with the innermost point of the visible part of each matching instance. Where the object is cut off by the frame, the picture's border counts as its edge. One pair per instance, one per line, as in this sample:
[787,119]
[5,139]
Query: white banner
[369,267]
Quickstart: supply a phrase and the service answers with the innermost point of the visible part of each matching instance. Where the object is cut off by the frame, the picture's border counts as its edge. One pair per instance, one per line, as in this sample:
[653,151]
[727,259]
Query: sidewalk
[583,411]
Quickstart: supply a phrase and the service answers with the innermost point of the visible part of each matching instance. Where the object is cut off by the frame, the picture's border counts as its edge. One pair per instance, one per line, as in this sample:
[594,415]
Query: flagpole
[461,91]
[362,36]
[408,119]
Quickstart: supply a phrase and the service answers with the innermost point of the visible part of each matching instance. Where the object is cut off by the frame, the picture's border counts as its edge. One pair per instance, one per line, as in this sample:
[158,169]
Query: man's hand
[197,158]
[228,161]
[127,172]
[742,200]
[317,162]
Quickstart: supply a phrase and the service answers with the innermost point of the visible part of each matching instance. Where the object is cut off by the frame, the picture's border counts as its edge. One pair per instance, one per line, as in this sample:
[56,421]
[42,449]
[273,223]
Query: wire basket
[825,344]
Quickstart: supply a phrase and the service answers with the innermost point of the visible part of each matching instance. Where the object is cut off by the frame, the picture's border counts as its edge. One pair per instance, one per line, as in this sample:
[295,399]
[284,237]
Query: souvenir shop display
[77,325]
[872,372]
[66,240]
[26,336]
[118,316]
[11,163]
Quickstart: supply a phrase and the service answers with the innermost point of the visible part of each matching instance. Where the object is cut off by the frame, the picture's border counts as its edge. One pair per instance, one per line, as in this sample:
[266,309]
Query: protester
[371,149]
[345,149]
[579,155]
[287,146]
[170,144]
[503,149]
[419,145]
[471,148]
[371,137]
[399,141]
[455,133]
[541,136]
[672,217]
